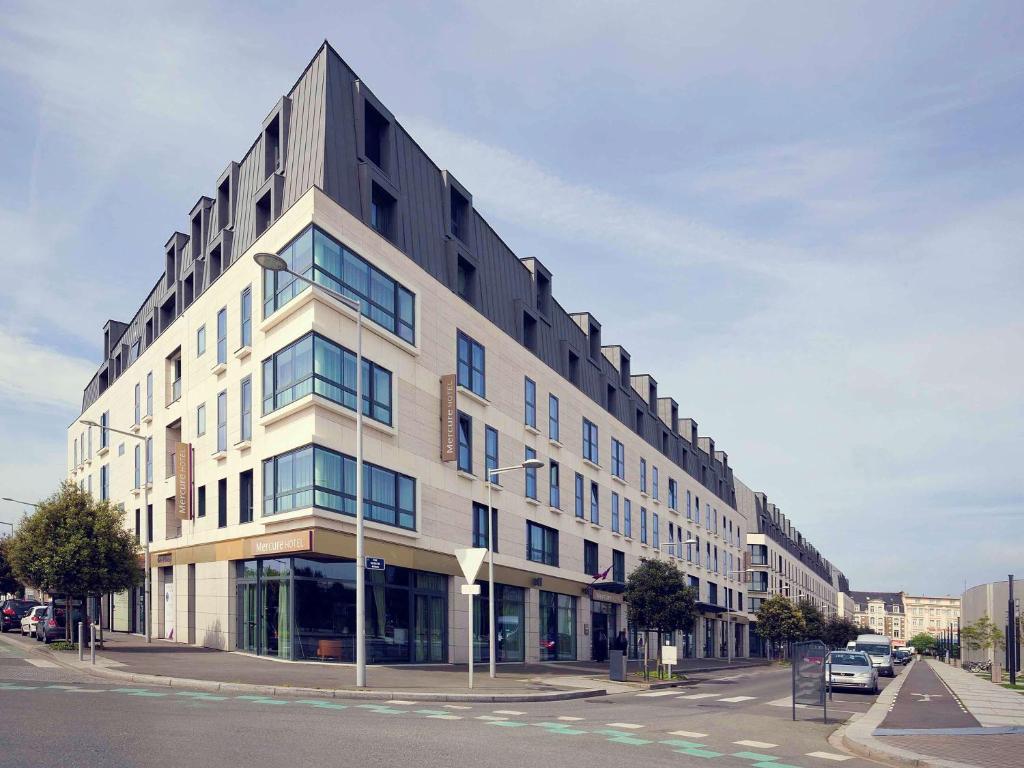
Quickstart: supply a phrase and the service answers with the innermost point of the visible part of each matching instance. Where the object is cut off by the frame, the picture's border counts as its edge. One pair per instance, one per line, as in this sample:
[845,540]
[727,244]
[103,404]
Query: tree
[982,635]
[659,599]
[922,642]
[837,632]
[8,583]
[779,621]
[814,621]
[75,546]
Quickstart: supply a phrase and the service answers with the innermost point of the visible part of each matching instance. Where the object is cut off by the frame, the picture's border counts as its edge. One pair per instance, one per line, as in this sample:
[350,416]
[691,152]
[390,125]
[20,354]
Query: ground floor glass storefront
[557,627]
[509,623]
[304,609]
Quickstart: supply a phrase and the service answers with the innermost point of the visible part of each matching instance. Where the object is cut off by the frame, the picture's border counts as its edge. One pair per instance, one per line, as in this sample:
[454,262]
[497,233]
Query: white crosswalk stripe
[755,744]
[456,706]
[44,663]
[490,717]
[735,699]
[508,712]
[399,701]
[658,693]
[829,756]
[631,726]
[699,696]
[688,734]
[568,718]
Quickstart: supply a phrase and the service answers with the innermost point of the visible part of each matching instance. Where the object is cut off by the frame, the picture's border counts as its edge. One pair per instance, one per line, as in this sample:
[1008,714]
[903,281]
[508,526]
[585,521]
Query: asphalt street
[56,717]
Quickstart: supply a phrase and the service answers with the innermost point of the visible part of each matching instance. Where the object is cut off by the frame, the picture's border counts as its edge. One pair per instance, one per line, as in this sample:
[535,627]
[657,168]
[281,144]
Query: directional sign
[469,561]
[375,564]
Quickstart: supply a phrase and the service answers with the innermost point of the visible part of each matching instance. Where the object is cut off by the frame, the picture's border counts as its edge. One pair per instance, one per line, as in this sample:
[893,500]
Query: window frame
[222,336]
[548,552]
[529,402]
[464,442]
[472,370]
[591,446]
[553,415]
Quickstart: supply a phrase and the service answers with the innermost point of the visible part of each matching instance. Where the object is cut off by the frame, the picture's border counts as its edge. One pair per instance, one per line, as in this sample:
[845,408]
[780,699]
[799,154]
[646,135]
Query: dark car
[12,611]
[52,624]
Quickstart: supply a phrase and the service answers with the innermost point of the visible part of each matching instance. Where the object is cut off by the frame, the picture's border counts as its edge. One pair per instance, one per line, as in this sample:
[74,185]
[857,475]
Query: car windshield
[876,649]
[849,659]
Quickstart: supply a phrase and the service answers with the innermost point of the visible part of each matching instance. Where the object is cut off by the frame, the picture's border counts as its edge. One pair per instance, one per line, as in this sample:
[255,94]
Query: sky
[805,220]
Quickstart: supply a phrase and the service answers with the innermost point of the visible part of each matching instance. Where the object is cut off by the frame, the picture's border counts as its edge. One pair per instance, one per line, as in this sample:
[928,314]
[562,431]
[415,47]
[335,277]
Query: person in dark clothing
[621,642]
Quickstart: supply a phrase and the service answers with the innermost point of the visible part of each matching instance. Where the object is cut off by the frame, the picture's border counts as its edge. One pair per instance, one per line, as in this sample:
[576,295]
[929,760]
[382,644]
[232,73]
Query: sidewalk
[937,715]
[130,658]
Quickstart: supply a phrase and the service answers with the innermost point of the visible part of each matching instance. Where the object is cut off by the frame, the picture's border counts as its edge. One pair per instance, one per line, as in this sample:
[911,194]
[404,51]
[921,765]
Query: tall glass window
[104,432]
[315,364]
[554,493]
[318,257]
[689,515]
[643,525]
[531,475]
[138,466]
[246,316]
[222,336]
[222,421]
[627,518]
[480,532]
[595,504]
[138,403]
[465,455]
[104,482]
[655,533]
[673,494]
[509,620]
[530,399]
[643,475]
[246,415]
[149,393]
[201,341]
[541,544]
[470,368]
[318,477]
[149,460]
[590,447]
[579,495]
[491,453]
[654,482]
[557,627]
[618,459]
[615,512]
[553,418]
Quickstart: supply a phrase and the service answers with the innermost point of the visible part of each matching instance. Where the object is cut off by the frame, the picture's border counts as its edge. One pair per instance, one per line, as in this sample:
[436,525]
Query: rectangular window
[688,511]
[465,428]
[655,533]
[245,496]
[618,566]
[671,541]
[591,564]
[530,400]
[222,503]
[222,421]
[149,393]
[320,258]
[149,523]
[557,627]
[314,476]
[480,526]
[105,482]
[654,483]
[470,364]
[201,420]
[643,525]
[222,336]
[673,494]
[541,544]
[643,475]
[531,475]
[246,317]
[138,466]
[104,432]
[554,492]
[201,501]
[491,453]
[553,418]
[315,365]
[696,509]
[246,411]
[618,459]
[149,460]
[579,495]
[138,404]
[201,341]
[138,526]
[595,504]
[590,438]
[627,518]
[615,512]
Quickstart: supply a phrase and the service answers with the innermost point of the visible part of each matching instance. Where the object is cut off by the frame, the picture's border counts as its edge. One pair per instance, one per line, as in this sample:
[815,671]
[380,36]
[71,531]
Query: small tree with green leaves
[9,585]
[779,621]
[75,546]
[922,642]
[814,620]
[982,635]
[838,631]
[658,598]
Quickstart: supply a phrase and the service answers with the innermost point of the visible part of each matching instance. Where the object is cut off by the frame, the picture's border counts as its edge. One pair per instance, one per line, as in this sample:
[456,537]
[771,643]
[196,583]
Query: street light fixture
[146,534]
[491,597]
[274,263]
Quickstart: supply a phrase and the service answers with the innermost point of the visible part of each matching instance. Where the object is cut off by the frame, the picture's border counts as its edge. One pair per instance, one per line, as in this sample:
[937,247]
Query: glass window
[541,544]
[201,341]
[595,504]
[615,512]
[654,482]
[322,478]
[555,493]
[627,518]
[618,566]
[655,533]
[643,525]
[246,397]
[590,448]
[480,526]
[579,495]
[531,475]
[316,365]
[673,494]
[222,421]
[104,432]
[138,404]
[138,466]
[200,501]
[470,364]
[246,316]
[149,393]
[245,497]
[104,482]
[530,398]
[222,336]
[149,460]
[591,566]
[553,418]
[618,459]
[557,627]
[320,258]
[465,456]
[688,511]
[643,475]
[491,453]
[201,420]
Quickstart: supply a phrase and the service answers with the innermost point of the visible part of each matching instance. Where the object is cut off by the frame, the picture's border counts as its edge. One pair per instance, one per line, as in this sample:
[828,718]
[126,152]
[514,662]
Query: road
[738,719]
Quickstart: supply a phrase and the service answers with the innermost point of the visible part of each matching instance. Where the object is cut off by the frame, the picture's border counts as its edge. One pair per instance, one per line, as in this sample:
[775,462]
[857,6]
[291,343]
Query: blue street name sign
[375,563]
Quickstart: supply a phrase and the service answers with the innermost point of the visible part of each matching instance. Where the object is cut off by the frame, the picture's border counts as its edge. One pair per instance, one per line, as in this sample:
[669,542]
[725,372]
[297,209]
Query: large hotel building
[236,388]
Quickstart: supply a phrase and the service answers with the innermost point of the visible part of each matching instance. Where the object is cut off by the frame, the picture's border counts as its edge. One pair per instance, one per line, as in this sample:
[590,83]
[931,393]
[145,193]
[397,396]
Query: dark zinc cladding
[314,476]
[322,259]
[316,364]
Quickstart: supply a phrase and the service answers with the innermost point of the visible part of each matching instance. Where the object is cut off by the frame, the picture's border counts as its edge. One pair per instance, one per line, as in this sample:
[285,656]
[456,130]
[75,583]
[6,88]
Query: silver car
[852,669]
[30,619]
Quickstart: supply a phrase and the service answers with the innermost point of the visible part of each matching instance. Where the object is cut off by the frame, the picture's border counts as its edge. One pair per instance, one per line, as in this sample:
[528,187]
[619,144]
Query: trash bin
[617,666]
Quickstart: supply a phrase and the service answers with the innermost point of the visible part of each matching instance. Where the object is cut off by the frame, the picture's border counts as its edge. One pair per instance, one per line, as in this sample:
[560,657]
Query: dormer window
[543,294]
[375,128]
[272,148]
[574,368]
[460,215]
[382,212]
[529,332]
[610,402]
[169,274]
[595,342]
[465,280]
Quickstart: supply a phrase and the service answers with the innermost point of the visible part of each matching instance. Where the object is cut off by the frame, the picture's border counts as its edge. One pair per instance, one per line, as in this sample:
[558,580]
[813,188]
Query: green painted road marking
[774,765]
[425,711]
[683,744]
[702,753]
[129,690]
[631,740]
[12,687]
[444,717]
[561,728]
[507,723]
[382,710]
[322,704]
[756,756]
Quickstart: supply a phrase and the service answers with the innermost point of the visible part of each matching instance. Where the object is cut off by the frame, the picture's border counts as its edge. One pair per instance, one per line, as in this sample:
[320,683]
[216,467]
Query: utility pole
[1011,636]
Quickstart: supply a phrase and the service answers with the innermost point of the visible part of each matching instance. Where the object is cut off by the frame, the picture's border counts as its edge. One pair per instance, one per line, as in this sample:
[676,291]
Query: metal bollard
[81,637]
[92,642]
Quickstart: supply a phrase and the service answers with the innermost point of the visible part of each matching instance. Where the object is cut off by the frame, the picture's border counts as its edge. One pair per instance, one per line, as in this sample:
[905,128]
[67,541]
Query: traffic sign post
[470,561]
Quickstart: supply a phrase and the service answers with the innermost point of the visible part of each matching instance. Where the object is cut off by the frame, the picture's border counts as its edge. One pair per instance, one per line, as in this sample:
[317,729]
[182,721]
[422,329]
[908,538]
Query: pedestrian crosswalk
[717,698]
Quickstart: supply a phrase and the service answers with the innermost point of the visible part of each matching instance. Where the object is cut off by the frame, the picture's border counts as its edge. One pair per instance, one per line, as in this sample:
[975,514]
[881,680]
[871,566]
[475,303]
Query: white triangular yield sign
[469,561]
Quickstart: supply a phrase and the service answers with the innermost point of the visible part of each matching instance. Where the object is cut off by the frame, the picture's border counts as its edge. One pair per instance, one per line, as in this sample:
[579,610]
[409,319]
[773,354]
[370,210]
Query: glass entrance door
[428,642]
[247,617]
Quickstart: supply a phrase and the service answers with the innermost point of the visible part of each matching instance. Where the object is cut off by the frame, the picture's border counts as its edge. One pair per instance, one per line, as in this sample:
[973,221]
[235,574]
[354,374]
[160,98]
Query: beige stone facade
[931,614]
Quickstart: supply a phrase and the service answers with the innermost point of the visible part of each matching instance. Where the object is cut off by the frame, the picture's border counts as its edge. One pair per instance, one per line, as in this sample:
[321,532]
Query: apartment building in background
[882,613]
[239,386]
[930,614]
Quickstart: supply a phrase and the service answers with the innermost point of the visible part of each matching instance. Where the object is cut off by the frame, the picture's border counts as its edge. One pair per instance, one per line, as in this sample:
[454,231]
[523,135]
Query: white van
[879,648]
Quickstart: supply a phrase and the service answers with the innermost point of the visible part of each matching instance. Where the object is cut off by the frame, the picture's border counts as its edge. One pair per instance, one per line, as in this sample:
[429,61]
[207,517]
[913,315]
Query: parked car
[902,655]
[852,669]
[52,623]
[30,619]
[12,611]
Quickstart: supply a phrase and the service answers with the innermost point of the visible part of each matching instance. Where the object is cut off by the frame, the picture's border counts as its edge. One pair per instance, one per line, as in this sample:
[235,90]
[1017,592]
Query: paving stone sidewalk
[990,703]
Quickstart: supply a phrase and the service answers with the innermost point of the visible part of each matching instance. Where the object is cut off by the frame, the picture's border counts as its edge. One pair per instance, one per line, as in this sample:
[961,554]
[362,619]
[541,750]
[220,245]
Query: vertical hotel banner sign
[448,417]
[183,480]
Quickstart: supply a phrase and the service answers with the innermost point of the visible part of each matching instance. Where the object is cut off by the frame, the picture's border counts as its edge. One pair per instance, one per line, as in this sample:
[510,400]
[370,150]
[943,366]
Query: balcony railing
[176,390]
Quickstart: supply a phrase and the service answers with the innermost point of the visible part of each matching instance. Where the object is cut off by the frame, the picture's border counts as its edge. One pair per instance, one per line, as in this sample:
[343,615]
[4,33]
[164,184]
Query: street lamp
[274,263]
[491,597]
[146,533]
[671,545]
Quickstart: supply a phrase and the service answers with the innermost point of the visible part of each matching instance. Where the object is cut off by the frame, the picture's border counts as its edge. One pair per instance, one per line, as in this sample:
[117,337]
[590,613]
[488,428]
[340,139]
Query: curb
[857,736]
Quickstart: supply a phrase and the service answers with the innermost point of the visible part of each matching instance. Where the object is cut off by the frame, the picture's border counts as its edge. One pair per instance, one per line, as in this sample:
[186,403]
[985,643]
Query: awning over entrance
[614,587]
[710,607]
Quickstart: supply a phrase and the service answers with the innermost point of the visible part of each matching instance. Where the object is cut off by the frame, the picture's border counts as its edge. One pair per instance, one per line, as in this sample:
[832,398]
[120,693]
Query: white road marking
[399,701]
[508,712]
[631,726]
[829,756]
[785,701]
[689,734]
[659,693]
[445,717]
[734,699]
[456,706]
[45,663]
[699,696]
[490,717]
[569,718]
[755,744]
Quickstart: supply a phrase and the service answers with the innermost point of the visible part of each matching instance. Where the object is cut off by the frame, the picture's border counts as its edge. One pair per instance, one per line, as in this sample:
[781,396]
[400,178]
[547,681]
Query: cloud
[37,376]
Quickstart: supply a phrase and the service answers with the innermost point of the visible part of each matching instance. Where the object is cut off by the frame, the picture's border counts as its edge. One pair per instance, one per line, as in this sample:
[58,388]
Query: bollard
[92,642]
[81,637]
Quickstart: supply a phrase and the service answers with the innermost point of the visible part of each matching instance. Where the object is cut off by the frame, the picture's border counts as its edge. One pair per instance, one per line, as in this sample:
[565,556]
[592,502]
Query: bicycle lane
[926,703]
